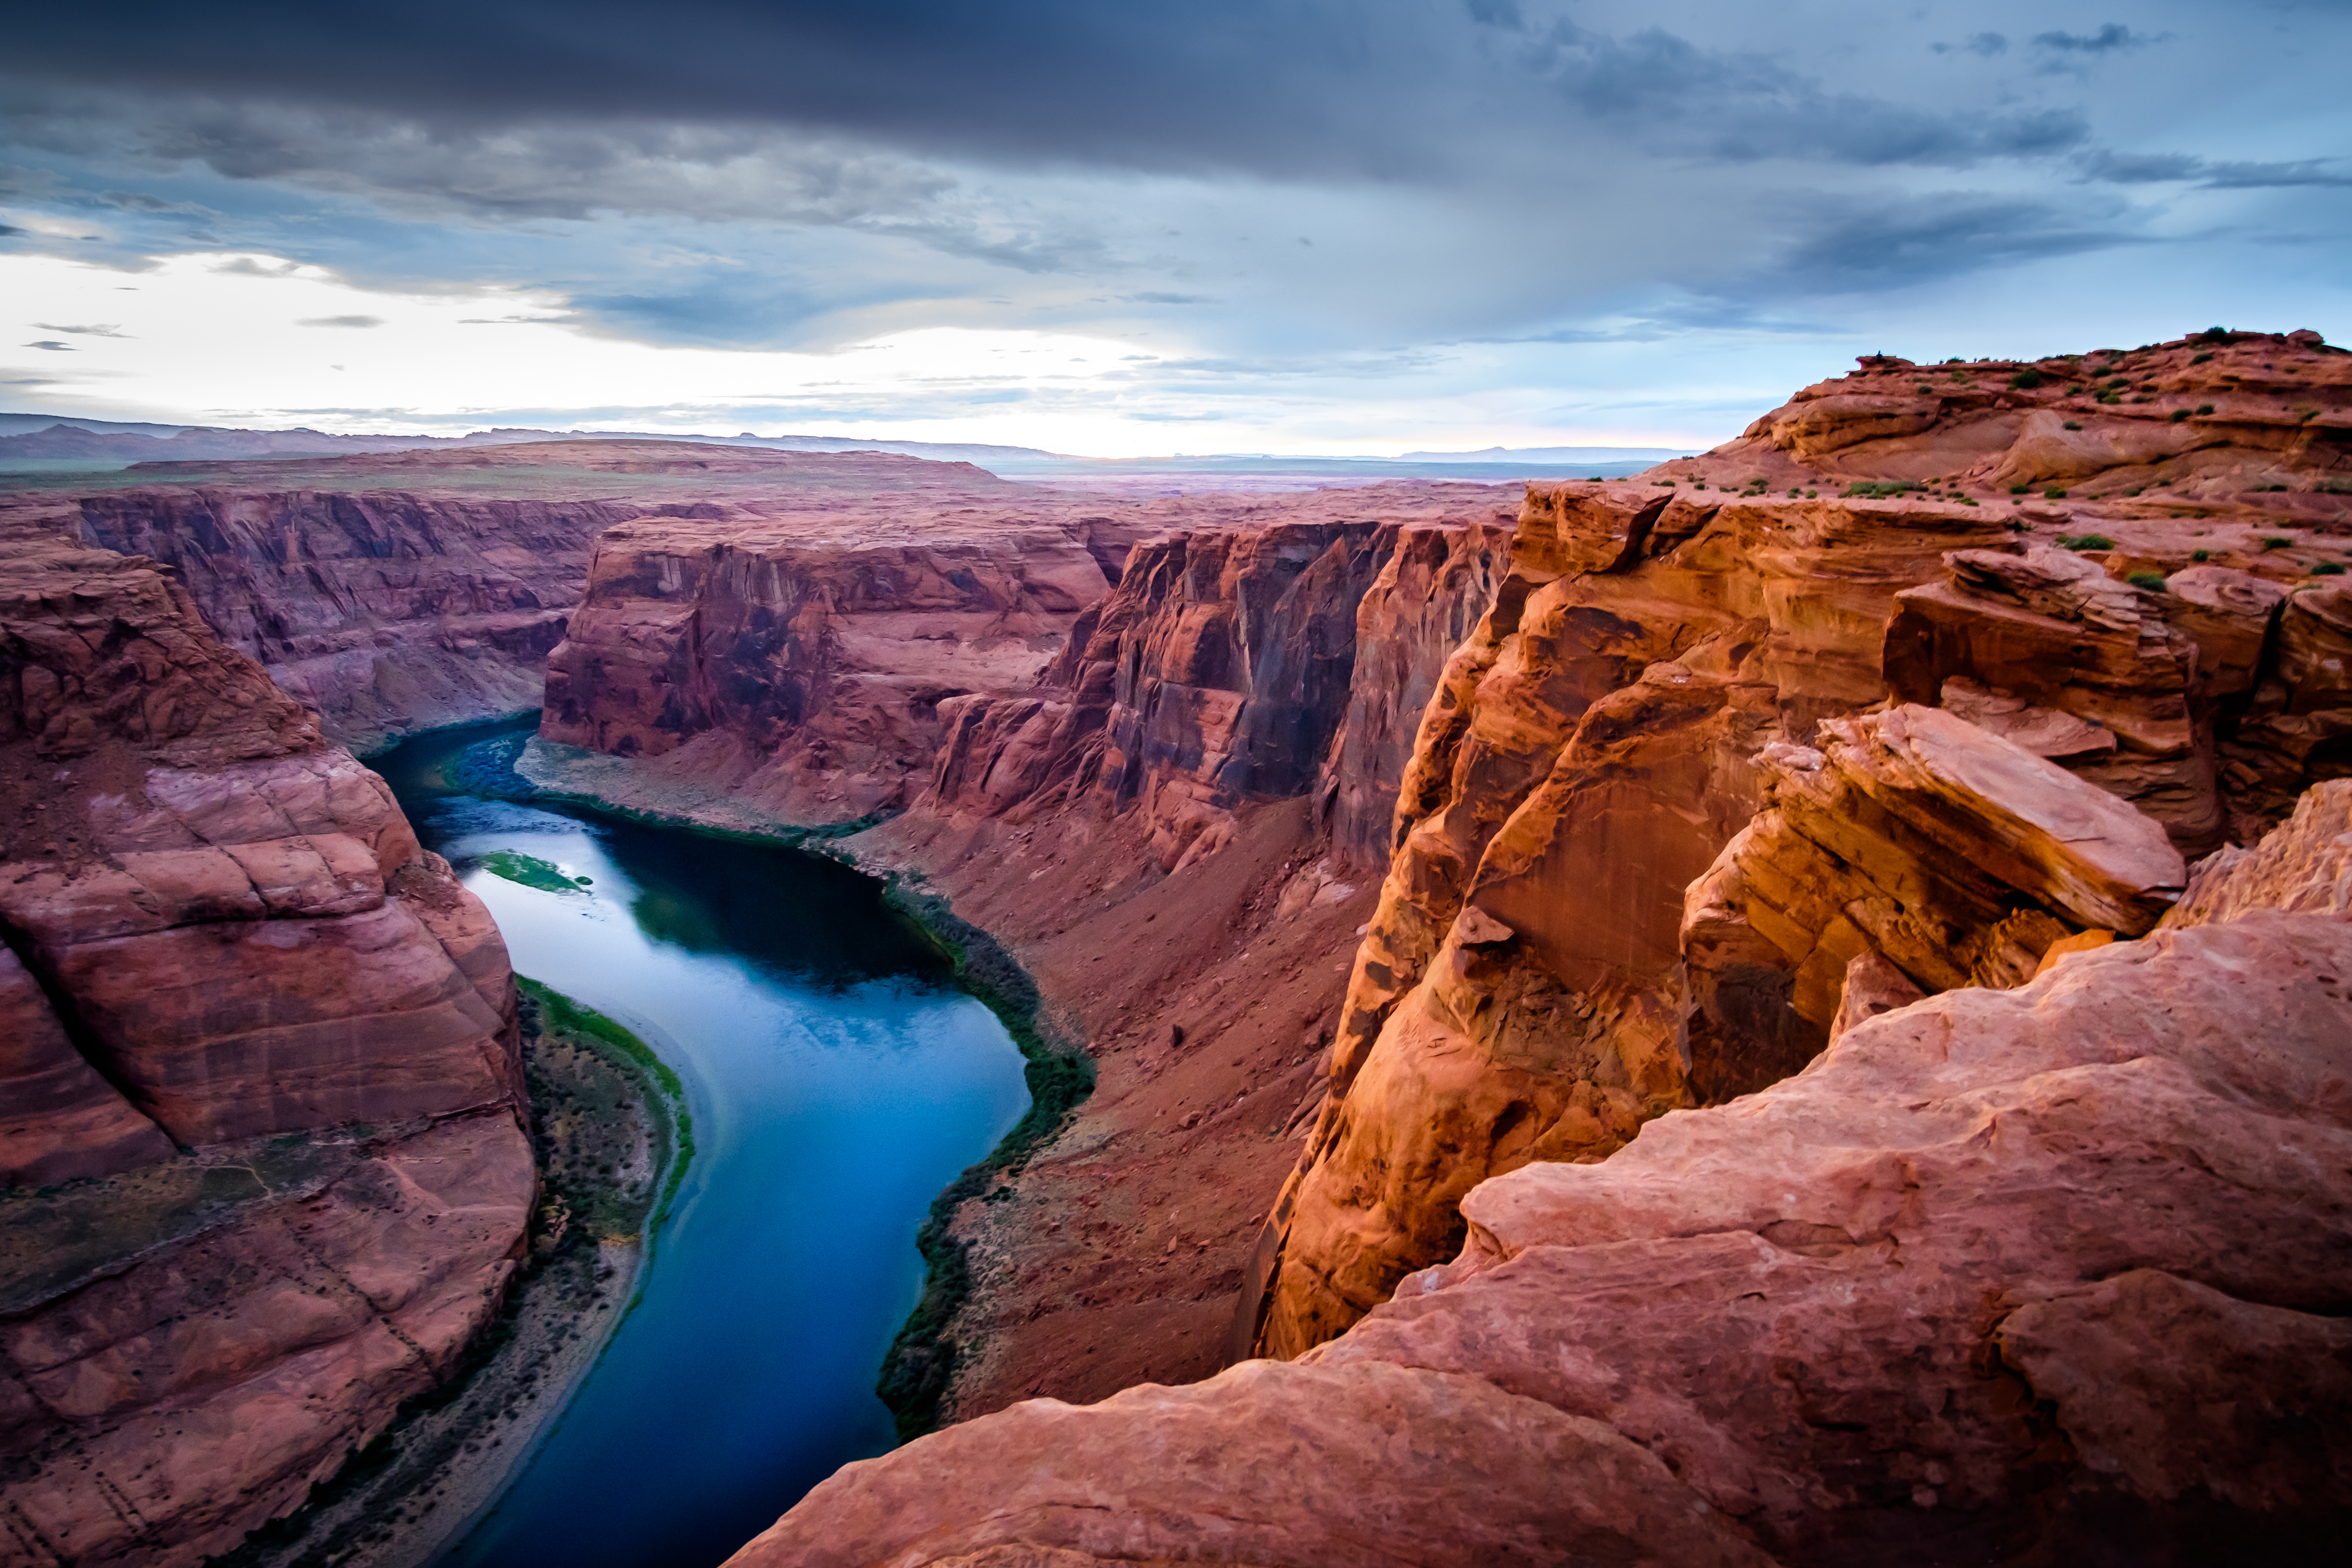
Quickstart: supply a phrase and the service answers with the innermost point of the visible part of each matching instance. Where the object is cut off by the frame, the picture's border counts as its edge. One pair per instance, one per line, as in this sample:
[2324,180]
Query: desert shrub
[2151,581]
[2328,569]
[2055,493]
[2200,555]
[2179,414]
[2204,408]
[2215,334]
[2018,490]
[1881,491]
[2072,424]
[2085,541]
[2198,358]
[2276,541]
[2025,380]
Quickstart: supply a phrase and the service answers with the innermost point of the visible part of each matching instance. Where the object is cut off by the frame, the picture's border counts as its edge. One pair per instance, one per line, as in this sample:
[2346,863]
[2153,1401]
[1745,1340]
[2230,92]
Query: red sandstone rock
[395,591]
[2304,865]
[2052,1272]
[58,1119]
[220,928]
[815,651]
[1283,1467]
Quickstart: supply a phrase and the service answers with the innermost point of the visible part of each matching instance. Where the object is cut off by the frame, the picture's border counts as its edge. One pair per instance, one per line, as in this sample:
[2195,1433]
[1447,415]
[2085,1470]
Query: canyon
[1715,1015]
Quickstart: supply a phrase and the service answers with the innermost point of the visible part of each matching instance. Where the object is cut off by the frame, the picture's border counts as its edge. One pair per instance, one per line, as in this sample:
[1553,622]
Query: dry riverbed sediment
[608,1135]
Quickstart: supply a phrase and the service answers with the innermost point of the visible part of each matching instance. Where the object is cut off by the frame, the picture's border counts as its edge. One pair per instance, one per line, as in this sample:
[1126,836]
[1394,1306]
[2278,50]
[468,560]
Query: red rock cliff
[267,1045]
[1536,984]
[396,591]
[2045,1274]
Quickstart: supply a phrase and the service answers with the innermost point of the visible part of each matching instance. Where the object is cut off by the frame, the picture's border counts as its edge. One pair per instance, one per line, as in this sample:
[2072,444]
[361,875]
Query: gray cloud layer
[1264,177]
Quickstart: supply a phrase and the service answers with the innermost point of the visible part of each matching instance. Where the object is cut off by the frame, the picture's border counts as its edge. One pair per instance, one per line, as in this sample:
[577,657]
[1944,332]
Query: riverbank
[612,1140]
[1058,1071]
[1107,1247]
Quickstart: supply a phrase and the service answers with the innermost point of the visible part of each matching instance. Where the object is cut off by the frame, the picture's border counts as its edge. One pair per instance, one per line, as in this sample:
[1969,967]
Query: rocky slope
[263,1121]
[2054,1273]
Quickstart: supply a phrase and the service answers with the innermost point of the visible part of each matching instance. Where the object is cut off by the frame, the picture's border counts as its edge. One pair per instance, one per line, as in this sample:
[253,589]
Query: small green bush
[2055,493]
[2215,334]
[2018,490]
[2072,424]
[2085,541]
[2025,380]
[1886,490]
[2200,555]
[2328,569]
[1595,479]
[1812,494]
[2198,358]
[2151,581]
[2276,541]
[2204,408]
[2179,414]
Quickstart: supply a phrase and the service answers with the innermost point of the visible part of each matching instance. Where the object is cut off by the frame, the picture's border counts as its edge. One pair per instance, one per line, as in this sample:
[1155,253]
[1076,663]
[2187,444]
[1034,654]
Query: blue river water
[837,1083]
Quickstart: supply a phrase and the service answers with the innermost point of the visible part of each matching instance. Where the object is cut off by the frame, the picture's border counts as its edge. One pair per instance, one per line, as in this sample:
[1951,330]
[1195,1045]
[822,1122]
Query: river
[837,1083]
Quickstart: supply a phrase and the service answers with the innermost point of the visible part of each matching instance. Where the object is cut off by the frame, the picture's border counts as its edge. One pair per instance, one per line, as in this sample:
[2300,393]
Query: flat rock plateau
[1792,1007]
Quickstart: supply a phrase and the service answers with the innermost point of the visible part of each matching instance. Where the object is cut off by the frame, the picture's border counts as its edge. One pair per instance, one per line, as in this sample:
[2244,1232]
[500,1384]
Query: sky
[1121,229]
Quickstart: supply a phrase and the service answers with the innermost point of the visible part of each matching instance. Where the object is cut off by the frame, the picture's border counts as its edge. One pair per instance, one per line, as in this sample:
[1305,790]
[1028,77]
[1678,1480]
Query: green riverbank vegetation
[1060,1075]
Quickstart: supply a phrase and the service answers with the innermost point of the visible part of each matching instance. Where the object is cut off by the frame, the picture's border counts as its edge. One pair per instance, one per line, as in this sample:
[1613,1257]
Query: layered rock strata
[1171,825]
[268,1046]
[2049,1273]
[1529,989]
[2256,420]
[397,591]
[807,661]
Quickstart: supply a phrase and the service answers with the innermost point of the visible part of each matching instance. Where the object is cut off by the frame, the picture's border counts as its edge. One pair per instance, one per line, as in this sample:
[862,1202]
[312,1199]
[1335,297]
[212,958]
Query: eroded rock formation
[263,1116]
[1653,673]
[396,592]
[2045,1273]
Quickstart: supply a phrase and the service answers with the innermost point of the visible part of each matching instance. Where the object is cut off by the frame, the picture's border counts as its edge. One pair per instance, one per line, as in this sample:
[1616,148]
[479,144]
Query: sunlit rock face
[1645,702]
[2051,1271]
[278,1042]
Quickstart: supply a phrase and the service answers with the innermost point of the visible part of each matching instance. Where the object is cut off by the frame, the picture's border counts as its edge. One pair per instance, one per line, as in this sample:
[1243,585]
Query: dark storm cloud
[540,109]
[1849,248]
[2107,41]
[1279,85]
[2160,168]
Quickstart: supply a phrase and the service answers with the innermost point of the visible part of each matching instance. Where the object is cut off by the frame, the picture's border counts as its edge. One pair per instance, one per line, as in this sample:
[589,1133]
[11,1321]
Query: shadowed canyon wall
[260,1109]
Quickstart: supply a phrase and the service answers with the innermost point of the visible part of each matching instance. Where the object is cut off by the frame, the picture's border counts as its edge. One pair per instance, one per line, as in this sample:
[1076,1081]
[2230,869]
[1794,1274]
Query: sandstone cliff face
[1225,668]
[396,592]
[810,656]
[2042,1274]
[274,1039]
[1651,675]
[2204,419]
